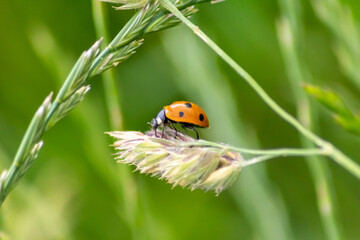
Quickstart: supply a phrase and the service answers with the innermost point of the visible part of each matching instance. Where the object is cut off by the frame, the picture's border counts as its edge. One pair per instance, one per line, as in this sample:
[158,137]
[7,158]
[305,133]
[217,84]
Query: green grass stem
[110,89]
[112,100]
[334,153]
[272,152]
[291,36]
[192,61]
[342,24]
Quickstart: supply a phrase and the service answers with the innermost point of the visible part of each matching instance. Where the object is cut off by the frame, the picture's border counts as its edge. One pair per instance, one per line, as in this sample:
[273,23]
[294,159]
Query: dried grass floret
[183,161]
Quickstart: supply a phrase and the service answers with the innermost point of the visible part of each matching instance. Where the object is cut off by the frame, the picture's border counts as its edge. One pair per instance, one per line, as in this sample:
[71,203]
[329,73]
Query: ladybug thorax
[159,119]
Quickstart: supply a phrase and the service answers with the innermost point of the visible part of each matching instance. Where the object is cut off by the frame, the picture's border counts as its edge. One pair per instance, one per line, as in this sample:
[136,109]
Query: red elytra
[188,114]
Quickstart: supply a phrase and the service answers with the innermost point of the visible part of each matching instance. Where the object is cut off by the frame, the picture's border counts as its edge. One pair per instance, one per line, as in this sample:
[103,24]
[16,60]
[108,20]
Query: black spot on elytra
[201,117]
[181,114]
[188,105]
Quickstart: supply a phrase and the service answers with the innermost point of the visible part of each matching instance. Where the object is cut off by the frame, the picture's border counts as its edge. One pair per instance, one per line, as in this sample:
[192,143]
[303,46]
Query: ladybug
[188,114]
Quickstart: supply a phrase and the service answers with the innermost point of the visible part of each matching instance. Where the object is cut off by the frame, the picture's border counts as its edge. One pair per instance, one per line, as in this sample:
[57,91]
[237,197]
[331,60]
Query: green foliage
[73,90]
[50,112]
[342,114]
[74,189]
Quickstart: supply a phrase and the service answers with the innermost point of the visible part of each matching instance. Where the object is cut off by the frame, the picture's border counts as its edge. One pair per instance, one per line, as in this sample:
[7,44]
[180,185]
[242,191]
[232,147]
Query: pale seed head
[128,4]
[181,161]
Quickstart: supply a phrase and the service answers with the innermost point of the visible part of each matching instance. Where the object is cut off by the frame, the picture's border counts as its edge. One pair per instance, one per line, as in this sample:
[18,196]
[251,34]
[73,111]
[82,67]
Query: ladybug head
[159,119]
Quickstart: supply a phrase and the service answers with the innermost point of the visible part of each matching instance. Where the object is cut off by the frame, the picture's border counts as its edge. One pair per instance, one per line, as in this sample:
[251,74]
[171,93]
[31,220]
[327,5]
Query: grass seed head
[182,161]
[128,4]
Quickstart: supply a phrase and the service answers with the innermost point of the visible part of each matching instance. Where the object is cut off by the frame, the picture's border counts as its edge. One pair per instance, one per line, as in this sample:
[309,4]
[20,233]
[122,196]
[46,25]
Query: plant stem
[110,89]
[19,158]
[291,34]
[118,41]
[334,153]
[268,154]
[247,77]
[346,43]
[265,219]
[325,198]
[130,194]
[279,151]
[284,153]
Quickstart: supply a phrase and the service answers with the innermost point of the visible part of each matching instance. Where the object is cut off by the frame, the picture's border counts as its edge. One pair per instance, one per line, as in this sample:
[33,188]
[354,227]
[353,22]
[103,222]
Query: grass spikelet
[183,161]
[128,4]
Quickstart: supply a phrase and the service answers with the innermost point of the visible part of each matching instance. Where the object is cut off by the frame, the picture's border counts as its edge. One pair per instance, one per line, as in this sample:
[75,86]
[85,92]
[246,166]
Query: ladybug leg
[173,127]
[197,134]
[162,134]
[191,127]
[184,127]
[155,132]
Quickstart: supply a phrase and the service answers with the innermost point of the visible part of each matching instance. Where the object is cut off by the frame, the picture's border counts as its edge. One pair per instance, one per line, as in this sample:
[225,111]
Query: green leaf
[349,124]
[330,99]
[342,114]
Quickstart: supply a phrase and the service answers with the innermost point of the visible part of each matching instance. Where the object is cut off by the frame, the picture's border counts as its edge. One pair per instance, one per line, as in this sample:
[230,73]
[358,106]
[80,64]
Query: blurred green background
[75,190]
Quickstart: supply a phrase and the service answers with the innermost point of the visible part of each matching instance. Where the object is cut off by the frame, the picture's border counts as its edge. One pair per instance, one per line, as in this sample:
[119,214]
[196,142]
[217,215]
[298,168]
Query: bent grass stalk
[270,220]
[335,154]
[184,161]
